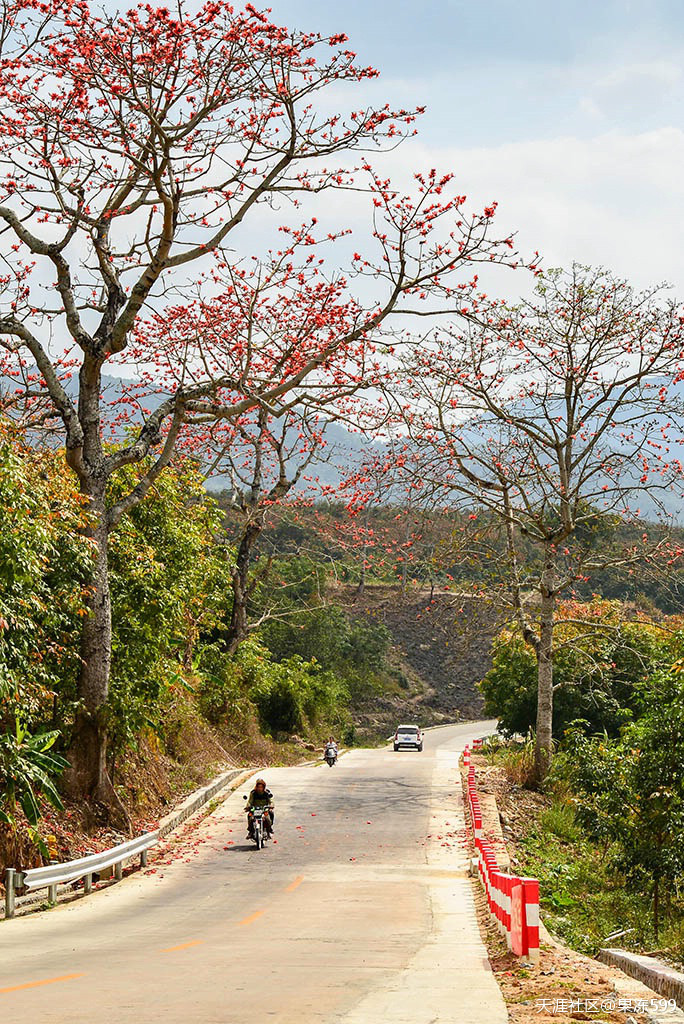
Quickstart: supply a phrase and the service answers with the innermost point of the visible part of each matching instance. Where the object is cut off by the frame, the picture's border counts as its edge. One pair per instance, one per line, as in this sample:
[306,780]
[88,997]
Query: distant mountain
[345,450]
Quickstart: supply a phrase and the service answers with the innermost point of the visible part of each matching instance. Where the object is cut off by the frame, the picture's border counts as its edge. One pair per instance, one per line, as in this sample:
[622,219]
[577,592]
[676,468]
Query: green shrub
[289,696]
[295,695]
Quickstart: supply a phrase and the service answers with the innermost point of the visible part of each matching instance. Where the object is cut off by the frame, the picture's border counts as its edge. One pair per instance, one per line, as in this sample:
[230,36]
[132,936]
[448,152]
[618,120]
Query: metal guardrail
[53,875]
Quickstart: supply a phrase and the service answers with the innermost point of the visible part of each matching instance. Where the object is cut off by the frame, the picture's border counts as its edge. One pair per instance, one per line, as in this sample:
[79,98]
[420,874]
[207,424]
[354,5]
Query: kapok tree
[266,463]
[134,146]
[559,420]
[386,527]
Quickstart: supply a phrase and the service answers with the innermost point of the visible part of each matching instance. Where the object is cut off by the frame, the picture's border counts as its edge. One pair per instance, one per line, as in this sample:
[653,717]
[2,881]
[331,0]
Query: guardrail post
[143,859]
[52,893]
[118,870]
[9,892]
[87,884]
[518,923]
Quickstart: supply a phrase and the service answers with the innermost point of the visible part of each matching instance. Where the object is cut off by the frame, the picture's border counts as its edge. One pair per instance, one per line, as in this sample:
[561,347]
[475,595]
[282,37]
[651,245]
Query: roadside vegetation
[177,695]
[313,661]
[604,833]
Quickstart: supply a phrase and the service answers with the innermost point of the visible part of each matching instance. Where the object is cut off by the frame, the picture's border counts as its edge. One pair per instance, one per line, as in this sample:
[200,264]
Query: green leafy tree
[630,792]
[599,659]
[170,586]
[44,563]
[651,841]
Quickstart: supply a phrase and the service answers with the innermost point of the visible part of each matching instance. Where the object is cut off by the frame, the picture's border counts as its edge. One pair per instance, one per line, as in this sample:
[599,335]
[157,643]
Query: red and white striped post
[518,928]
[513,902]
[484,872]
[531,904]
[490,867]
[497,893]
[507,889]
[476,815]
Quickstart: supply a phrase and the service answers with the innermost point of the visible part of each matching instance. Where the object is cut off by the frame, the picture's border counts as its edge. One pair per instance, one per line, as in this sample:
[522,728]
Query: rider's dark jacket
[264,799]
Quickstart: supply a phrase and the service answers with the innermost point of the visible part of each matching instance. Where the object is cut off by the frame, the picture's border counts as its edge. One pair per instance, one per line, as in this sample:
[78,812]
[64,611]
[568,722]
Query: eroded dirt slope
[442,643]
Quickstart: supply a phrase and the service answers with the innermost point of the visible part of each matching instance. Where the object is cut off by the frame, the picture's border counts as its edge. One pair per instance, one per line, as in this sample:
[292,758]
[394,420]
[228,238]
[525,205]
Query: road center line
[252,917]
[35,984]
[294,885]
[183,945]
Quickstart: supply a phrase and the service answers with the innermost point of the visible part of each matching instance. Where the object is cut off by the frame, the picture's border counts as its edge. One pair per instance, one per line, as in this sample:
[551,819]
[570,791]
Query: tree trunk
[189,646]
[656,908]
[88,777]
[404,567]
[238,630]
[543,746]
[364,552]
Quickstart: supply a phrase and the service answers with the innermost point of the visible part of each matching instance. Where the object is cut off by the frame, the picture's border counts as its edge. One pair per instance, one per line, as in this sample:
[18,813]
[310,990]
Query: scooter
[330,756]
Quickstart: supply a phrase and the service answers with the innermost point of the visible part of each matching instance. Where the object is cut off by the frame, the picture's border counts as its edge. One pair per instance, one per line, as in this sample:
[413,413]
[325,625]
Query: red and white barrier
[513,902]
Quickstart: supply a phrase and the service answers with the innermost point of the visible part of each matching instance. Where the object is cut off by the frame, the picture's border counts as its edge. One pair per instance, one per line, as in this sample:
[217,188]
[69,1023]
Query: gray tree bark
[544,650]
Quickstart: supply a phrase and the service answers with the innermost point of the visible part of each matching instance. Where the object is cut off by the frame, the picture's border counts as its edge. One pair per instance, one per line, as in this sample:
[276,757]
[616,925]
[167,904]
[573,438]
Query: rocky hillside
[441,645]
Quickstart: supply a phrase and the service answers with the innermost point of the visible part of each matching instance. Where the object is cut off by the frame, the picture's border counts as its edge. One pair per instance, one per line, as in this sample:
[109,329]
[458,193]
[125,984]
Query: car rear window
[413,729]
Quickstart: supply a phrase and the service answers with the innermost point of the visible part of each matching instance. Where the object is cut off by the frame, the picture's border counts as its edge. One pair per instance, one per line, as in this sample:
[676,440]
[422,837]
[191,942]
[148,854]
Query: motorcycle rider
[331,747]
[260,797]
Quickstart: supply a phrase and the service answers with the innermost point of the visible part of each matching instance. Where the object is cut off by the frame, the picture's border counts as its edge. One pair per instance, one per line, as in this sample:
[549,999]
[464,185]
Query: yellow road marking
[35,984]
[183,945]
[252,917]
[295,885]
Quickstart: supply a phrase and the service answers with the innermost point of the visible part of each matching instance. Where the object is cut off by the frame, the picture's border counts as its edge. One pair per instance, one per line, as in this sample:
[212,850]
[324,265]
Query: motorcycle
[260,830]
[330,756]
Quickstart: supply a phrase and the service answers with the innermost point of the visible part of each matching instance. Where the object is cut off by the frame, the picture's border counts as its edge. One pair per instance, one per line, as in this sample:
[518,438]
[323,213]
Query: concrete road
[360,912]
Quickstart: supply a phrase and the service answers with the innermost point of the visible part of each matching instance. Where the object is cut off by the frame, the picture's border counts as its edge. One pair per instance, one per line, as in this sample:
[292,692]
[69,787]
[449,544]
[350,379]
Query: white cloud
[616,200]
[612,200]
[660,72]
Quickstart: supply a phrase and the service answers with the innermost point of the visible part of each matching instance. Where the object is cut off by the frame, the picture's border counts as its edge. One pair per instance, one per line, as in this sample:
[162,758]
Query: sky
[570,115]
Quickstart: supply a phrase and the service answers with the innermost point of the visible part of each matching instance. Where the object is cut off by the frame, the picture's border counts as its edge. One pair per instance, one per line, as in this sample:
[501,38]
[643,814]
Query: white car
[408,736]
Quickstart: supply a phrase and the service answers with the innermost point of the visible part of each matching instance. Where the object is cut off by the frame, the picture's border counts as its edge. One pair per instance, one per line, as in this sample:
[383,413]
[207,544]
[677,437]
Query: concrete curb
[199,798]
[664,980]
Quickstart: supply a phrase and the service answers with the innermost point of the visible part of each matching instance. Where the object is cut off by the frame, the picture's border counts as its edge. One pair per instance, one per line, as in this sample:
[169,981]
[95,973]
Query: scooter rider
[331,747]
[260,797]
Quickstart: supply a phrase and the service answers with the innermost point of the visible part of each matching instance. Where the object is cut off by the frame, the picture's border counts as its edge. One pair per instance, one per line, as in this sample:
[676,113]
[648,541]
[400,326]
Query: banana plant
[28,770]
